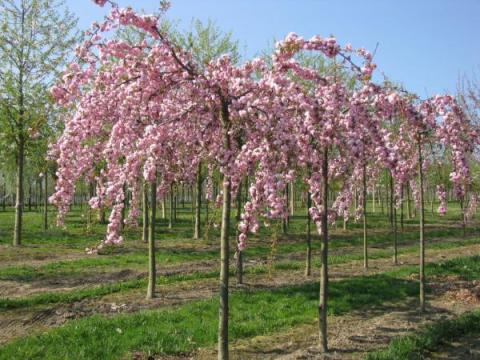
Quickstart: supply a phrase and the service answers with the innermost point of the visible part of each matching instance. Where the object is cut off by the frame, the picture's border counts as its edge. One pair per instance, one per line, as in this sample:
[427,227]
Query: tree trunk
[170,217]
[4,196]
[402,215]
[239,254]
[17,233]
[45,204]
[365,240]
[322,308]
[175,203]
[409,207]
[308,263]
[285,218]
[198,203]
[29,196]
[393,221]
[224,245]
[422,229]
[151,242]
[373,200]
[292,198]
[381,198]
[145,225]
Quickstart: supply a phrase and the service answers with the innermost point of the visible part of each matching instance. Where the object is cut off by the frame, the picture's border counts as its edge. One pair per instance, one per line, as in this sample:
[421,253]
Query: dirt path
[20,322]
[111,274]
[353,334]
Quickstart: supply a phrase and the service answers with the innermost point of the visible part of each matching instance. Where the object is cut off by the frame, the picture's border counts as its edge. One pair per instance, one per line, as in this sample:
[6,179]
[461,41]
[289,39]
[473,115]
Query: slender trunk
[175,203]
[380,195]
[422,229]
[164,216]
[308,263]
[239,254]
[207,207]
[292,198]
[17,234]
[183,196]
[198,204]
[45,204]
[373,200]
[322,308]
[402,210]
[224,245]
[365,240]
[29,196]
[409,207]
[170,217]
[285,218]
[145,224]
[4,196]
[151,242]
[393,221]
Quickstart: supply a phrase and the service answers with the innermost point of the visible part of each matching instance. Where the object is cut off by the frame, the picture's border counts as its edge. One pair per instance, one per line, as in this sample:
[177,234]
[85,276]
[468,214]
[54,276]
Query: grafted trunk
[17,233]
[308,262]
[285,218]
[152,274]
[45,204]
[373,199]
[422,228]
[409,206]
[224,245]
[145,224]
[365,240]
[175,203]
[393,221]
[198,203]
[170,217]
[4,196]
[292,198]
[381,198]
[402,215]
[29,196]
[322,308]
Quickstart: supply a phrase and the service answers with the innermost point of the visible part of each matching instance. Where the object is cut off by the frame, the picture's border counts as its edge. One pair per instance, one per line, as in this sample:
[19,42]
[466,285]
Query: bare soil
[371,326]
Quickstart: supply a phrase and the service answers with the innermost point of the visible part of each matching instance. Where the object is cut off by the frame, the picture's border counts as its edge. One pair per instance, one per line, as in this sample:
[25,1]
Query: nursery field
[170,191]
[57,302]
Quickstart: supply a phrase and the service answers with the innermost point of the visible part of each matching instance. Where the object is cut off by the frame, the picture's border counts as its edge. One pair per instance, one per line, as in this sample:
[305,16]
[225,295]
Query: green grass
[417,345]
[102,290]
[187,327]
[98,291]
[467,268]
[134,255]
[184,328]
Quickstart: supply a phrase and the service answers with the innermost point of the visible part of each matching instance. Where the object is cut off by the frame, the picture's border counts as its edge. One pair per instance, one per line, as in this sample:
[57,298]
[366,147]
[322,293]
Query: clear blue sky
[425,44]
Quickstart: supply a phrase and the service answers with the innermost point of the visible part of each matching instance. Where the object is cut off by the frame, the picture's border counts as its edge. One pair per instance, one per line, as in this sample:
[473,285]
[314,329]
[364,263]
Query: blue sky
[424,44]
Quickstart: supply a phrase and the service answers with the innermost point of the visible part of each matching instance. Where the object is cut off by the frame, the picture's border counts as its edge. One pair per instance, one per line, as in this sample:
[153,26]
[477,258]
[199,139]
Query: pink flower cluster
[139,112]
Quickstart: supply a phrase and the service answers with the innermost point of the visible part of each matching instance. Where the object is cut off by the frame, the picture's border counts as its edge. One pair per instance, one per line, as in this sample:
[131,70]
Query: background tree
[35,39]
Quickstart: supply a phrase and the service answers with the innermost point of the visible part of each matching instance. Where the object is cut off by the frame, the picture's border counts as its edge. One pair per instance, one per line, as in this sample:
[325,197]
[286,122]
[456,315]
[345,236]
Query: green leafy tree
[36,37]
